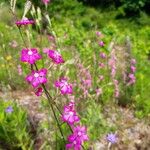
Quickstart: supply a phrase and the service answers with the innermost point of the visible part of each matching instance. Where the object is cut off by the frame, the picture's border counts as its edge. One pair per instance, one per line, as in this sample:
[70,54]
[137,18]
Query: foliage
[14,127]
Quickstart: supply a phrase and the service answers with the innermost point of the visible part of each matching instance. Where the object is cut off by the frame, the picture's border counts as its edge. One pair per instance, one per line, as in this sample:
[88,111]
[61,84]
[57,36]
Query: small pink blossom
[101,65]
[98,33]
[30,55]
[69,114]
[39,91]
[102,55]
[45,1]
[77,138]
[132,79]
[101,43]
[133,69]
[37,77]
[64,86]
[133,61]
[51,38]
[55,56]
[24,21]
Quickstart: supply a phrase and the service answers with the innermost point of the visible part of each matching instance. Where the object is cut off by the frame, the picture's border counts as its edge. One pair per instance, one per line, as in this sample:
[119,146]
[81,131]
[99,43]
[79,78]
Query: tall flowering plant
[38,79]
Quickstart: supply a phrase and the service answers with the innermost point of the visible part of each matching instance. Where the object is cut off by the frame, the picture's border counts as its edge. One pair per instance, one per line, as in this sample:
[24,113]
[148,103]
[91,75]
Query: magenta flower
[101,65]
[30,55]
[24,21]
[39,91]
[102,55]
[98,33]
[101,43]
[55,56]
[45,1]
[69,115]
[74,145]
[37,77]
[131,79]
[65,87]
[77,138]
[133,69]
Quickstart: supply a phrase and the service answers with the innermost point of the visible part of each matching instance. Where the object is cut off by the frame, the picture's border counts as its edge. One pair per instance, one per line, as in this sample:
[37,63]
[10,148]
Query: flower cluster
[77,138]
[85,78]
[38,78]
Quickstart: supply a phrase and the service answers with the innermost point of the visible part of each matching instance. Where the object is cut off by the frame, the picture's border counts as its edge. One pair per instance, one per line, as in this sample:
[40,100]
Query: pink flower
[131,79]
[55,56]
[133,69]
[65,87]
[74,145]
[77,138]
[37,77]
[30,55]
[133,61]
[45,1]
[24,21]
[39,91]
[69,115]
[101,43]
[102,55]
[98,33]
[101,65]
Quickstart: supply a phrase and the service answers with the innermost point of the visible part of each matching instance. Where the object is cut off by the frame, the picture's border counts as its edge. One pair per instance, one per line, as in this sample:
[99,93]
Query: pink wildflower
[65,87]
[133,69]
[131,79]
[39,91]
[37,77]
[102,55]
[74,145]
[98,33]
[101,43]
[77,138]
[133,61]
[101,65]
[24,21]
[30,55]
[45,1]
[55,56]
[69,115]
